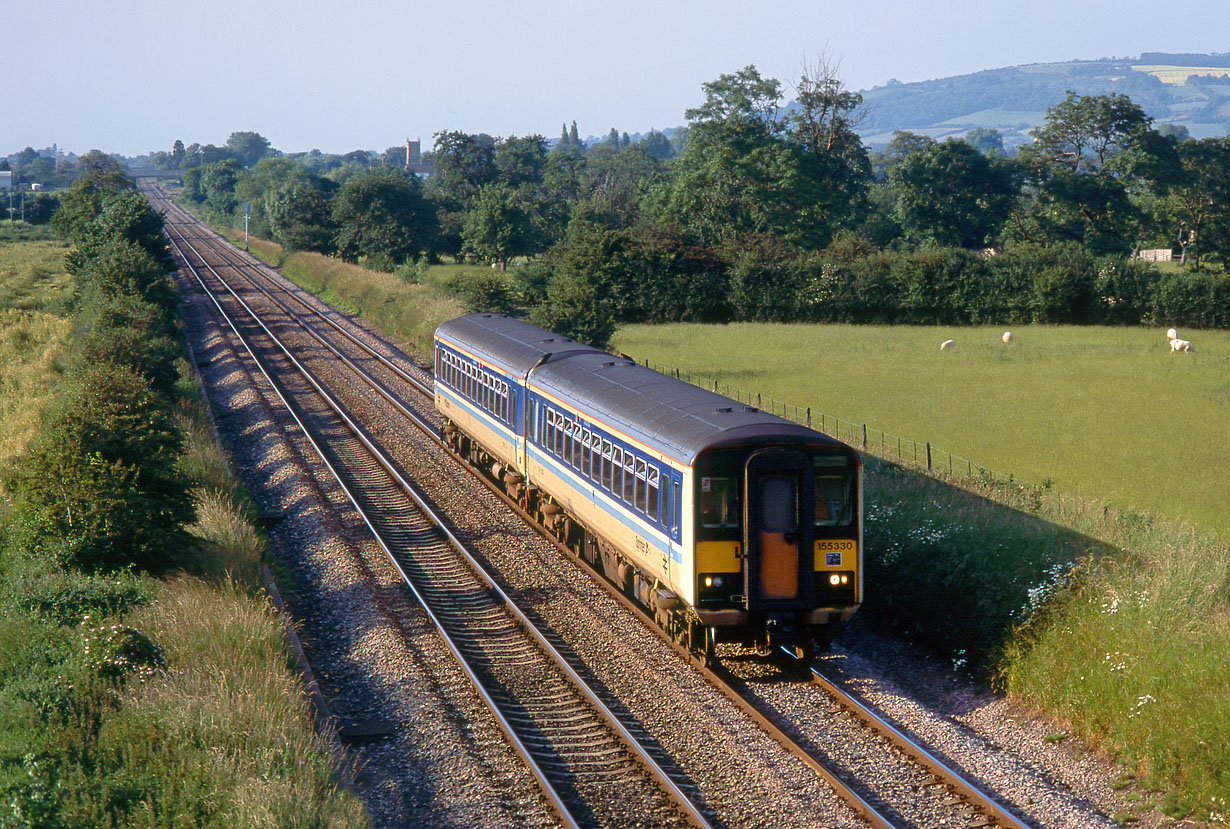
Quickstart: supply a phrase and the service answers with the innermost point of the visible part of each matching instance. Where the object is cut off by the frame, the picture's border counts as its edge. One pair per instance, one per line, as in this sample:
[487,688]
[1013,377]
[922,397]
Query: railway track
[591,769]
[963,800]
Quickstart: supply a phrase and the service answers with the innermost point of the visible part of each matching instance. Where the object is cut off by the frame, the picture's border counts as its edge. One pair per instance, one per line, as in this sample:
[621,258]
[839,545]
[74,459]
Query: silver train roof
[674,417]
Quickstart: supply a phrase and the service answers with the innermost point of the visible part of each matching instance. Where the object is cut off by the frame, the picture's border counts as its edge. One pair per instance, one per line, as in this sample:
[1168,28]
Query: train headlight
[713,581]
[835,579]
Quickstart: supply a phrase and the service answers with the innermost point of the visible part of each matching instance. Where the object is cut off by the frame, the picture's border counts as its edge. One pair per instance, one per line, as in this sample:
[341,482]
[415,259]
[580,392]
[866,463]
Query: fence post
[809,417]
[758,406]
[864,437]
[928,456]
[715,386]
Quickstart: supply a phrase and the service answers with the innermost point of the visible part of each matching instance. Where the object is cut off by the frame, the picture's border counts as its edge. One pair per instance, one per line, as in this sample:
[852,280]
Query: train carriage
[725,521]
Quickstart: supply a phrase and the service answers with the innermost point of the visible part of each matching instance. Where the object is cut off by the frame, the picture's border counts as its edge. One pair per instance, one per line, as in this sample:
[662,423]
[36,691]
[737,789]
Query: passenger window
[639,491]
[652,496]
[607,465]
[628,476]
[585,457]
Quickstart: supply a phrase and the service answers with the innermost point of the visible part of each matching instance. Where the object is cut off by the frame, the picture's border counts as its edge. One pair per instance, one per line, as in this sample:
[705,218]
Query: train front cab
[778,542]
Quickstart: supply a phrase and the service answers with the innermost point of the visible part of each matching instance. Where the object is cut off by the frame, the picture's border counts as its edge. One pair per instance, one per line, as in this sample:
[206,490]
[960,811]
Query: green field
[1106,413]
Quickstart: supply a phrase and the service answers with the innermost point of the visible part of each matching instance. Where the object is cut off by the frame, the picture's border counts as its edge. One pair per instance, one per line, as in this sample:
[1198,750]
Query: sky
[132,76]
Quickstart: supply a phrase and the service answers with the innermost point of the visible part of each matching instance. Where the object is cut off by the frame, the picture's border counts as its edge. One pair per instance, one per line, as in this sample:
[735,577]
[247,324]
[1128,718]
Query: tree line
[760,209]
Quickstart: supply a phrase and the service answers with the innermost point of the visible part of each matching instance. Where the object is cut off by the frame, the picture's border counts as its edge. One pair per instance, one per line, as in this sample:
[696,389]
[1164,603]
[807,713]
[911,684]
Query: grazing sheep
[1180,345]
[947,344]
[1007,336]
[1171,334]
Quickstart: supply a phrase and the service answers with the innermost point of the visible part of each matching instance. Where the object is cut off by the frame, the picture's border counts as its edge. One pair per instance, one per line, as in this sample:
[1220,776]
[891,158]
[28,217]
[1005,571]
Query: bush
[101,486]
[490,293]
[578,309]
[125,330]
[1195,299]
[118,267]
[63,597]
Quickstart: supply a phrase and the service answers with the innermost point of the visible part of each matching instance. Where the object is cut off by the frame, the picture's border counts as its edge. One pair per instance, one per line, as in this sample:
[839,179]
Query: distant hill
[1184,89]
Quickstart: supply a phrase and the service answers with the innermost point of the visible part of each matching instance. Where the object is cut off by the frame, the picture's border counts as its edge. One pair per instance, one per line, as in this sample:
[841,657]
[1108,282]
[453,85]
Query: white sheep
[947,344]
[1007,336]
[1172,334]
[1180,345]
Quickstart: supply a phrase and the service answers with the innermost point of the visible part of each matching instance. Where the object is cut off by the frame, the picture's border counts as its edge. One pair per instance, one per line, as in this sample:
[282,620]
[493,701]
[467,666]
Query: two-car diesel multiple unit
[728,523]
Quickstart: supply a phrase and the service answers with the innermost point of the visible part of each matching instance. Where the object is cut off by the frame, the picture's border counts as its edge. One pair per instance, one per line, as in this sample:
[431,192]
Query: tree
[1197,202]
[903,144]
[300,216]
[834,169]
[745,171]
[951,193]
[461,165]
[1078,167]
[248,147]
[218,182]
[657,145]
[731,178]
[986,140]
[177,154]
[382,213]
[100,176]
[498,226]
[521,162]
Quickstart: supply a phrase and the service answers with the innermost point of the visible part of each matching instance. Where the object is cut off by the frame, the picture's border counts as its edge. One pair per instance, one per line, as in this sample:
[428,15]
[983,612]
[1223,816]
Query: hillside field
[1106,413]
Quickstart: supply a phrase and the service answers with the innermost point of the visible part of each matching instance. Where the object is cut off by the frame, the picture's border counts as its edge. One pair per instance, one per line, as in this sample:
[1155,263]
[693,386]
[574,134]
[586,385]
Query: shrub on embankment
[127,699]
[1113,624]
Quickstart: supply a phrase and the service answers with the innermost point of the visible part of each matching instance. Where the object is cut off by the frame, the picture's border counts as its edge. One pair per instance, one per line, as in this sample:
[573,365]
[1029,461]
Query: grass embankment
[406,312]
[93,731]
[1113,621]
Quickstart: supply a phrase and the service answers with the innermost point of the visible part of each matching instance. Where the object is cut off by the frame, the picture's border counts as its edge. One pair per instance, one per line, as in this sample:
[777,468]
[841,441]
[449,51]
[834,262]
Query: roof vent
[726,409]
[750,409]
[609,363]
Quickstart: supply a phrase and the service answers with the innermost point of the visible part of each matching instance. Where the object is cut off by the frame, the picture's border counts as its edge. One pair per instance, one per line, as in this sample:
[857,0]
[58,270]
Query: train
[725,522]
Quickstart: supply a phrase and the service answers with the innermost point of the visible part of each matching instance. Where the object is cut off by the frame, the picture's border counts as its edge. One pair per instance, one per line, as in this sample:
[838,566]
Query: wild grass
[127,700]
[1133,658]
[34,332]
[1106,413]
[225,728]
[406,312]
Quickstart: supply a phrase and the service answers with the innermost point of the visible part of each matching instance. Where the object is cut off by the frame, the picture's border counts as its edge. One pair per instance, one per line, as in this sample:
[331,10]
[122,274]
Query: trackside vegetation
[144,677]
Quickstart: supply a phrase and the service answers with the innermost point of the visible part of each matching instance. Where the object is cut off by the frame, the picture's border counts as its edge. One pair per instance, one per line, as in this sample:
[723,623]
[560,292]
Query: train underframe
[769,632]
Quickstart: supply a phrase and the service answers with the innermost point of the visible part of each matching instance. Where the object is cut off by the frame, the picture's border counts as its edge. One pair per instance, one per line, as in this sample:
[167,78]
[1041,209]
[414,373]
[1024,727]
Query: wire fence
[920,454]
